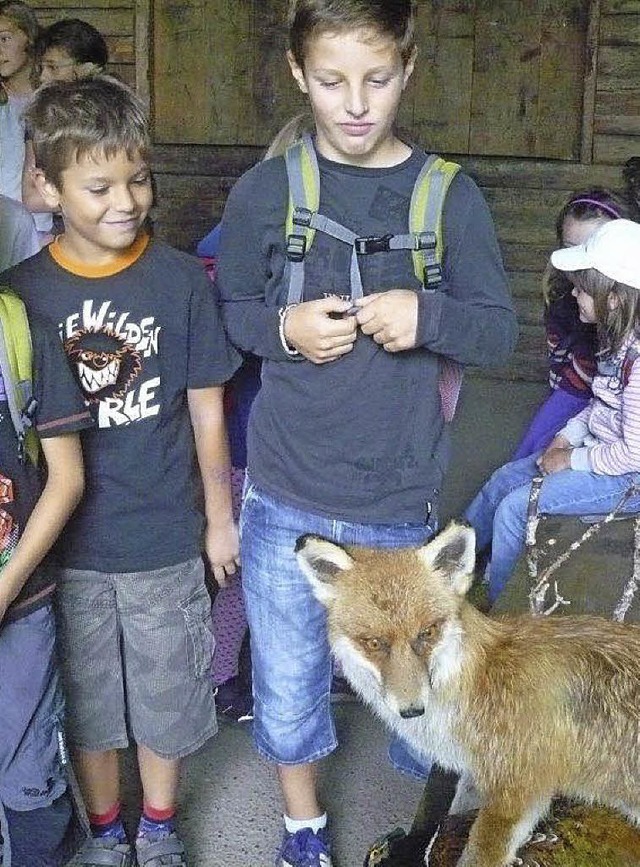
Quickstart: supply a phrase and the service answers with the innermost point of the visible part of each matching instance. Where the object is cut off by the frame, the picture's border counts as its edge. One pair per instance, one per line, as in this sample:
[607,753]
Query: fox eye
[375,645]
[424,639]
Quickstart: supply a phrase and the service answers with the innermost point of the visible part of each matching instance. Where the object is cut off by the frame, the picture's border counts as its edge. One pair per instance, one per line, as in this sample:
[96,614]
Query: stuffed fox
[529,708]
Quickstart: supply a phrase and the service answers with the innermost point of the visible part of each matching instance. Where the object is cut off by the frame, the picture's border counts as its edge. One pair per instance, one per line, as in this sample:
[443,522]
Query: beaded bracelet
[282,314]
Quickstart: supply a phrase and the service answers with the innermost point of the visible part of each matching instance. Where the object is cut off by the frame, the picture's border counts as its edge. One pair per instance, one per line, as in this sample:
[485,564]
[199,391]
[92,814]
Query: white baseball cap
[613,249]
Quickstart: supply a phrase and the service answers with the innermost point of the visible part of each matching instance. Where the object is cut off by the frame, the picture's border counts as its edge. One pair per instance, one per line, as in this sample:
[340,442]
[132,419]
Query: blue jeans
[289,647]
[499,511]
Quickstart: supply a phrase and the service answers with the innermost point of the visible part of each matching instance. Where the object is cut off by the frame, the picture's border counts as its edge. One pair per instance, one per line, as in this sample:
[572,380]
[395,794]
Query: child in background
[596,456]
[347,435]
[65,51]
[141,329]
[18,79]
[35,809]
[70,49]
[18,236]
[571,343]
[233,686]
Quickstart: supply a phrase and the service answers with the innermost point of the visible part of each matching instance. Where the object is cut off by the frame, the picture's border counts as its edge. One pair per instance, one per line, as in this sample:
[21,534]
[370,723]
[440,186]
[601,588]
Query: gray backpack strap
[303,220]
[303,176]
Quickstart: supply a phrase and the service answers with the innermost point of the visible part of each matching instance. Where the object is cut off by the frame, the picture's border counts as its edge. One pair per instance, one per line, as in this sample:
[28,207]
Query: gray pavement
[230,808]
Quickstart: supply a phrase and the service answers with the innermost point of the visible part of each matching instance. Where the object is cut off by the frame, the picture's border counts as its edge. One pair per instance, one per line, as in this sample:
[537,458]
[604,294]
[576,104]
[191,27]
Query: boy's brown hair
[309,18]
[70,119]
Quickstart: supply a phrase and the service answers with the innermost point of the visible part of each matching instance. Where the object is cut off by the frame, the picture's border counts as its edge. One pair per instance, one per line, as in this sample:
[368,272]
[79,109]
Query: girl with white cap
[596,456]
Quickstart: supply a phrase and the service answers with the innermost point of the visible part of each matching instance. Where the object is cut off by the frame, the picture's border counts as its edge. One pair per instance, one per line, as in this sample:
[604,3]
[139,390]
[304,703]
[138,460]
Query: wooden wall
[536,98]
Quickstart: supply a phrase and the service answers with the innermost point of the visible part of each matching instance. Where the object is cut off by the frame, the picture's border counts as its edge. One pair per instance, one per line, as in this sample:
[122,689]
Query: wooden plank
[590,80]
[611,148]
[618,124]
[618,67]
[621,7]
[505,79]
[142,36]
[562,86]
[620,30]
[110,22]
[61,8]
[444,71]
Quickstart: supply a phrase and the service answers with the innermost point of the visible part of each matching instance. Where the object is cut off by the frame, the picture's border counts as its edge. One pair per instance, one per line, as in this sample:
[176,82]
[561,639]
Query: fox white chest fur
[528,707]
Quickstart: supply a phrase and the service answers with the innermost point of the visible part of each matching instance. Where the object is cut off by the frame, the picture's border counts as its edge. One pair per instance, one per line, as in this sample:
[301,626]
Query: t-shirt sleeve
[212,358]
[60,405]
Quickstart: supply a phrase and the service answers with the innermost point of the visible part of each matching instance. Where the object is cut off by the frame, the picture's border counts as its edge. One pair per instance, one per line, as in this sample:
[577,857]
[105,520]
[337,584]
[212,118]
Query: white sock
[294,825]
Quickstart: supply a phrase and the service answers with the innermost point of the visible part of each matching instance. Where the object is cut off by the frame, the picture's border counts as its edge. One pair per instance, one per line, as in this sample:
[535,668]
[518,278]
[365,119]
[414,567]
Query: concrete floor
[230,808]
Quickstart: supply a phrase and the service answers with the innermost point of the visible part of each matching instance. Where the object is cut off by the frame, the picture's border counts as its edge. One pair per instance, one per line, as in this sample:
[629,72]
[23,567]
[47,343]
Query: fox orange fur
[527,707]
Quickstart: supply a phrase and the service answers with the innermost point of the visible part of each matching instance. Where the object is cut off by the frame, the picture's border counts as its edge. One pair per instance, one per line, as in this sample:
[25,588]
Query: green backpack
[423,237]
[16,368]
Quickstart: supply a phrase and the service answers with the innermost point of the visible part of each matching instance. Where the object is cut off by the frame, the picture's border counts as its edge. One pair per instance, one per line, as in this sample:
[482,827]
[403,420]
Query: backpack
[16,368]
[423,237]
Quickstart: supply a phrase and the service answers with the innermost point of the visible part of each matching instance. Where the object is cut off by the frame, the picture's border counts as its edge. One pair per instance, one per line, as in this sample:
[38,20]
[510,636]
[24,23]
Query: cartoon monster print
[104,363]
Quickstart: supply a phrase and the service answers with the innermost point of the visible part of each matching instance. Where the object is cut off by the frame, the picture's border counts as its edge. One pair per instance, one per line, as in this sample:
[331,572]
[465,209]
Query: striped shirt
[606,435]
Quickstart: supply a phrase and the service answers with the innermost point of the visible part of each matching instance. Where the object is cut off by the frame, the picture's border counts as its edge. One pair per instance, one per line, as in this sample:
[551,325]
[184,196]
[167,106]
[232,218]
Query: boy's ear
[409,67]
[297,72]
[452,554]
[47,189]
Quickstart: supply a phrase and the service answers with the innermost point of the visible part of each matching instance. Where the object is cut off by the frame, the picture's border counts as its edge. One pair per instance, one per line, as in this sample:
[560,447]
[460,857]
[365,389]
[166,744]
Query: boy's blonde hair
[309,18]
[614,324]
[70,119]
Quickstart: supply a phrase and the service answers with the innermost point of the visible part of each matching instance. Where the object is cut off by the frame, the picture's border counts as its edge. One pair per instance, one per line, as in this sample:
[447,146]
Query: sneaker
[233,701]
[167,851]
[103,850]
[305,849]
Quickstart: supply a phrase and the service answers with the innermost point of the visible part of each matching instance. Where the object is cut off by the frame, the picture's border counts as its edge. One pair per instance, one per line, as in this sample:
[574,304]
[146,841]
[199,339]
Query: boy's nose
[122,200]
[356,102]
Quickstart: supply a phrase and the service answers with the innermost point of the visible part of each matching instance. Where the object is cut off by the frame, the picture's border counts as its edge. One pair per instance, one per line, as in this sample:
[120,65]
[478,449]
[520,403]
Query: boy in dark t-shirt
[347,437]
[140,328]
[35,810]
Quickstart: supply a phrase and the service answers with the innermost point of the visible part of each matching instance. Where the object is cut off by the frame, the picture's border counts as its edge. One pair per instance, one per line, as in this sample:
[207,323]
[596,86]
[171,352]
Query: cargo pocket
[196,611]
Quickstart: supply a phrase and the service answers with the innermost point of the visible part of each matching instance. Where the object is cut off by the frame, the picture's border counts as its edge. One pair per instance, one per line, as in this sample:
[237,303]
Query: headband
[608,208]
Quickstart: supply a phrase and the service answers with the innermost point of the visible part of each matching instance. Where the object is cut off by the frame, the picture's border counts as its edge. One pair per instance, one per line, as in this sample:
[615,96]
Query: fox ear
[322,561]
[453,554]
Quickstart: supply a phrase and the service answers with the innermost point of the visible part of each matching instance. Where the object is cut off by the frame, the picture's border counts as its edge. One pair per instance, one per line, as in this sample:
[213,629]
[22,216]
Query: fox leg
[503,824]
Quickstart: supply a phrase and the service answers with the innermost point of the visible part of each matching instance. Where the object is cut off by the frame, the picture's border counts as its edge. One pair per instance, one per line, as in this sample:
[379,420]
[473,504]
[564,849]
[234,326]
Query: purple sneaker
[305,849]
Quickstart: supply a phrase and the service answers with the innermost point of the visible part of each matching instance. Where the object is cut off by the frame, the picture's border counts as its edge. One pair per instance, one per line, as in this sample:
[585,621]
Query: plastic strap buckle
[366,246]
[302,217]
[425,241]
[432,275]
[296,248]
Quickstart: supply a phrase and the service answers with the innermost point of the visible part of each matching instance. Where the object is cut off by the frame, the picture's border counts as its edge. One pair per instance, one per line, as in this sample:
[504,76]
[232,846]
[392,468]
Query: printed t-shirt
[137,335]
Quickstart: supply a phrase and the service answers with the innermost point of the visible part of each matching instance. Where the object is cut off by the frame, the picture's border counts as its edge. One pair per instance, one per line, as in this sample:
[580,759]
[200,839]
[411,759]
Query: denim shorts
[31,709]
[290,651]
[136,650]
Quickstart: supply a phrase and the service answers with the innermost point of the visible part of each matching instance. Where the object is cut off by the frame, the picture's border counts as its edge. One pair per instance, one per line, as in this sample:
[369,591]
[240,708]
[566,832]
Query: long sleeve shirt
[606,435]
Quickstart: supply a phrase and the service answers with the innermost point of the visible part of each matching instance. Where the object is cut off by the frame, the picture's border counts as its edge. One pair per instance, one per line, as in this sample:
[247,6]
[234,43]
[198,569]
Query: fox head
[394,612]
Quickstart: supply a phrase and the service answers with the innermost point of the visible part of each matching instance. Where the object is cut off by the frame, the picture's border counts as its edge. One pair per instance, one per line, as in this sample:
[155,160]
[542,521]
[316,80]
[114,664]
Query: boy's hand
[222,547]
[391,318]
[317,335]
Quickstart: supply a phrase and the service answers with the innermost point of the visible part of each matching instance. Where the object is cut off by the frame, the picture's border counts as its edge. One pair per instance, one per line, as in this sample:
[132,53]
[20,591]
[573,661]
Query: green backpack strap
[425,218]
[16,366]
[304,200]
